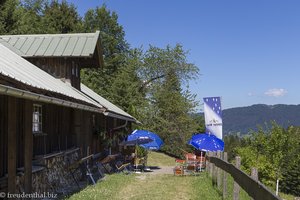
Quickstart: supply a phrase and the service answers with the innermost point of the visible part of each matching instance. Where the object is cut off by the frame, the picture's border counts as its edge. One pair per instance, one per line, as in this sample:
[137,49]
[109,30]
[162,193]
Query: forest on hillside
[244,119]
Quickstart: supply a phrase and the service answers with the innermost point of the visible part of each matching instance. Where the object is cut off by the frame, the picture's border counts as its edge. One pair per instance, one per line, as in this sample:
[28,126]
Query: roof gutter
[10,91]
[122,117]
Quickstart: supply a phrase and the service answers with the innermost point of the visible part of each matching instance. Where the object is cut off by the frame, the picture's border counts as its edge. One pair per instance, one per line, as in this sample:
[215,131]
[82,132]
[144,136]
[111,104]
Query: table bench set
[191,165]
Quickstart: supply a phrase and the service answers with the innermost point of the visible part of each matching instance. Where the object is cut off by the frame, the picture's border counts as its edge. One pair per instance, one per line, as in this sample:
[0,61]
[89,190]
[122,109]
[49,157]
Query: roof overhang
[122,117]
[10,91]
[85,46]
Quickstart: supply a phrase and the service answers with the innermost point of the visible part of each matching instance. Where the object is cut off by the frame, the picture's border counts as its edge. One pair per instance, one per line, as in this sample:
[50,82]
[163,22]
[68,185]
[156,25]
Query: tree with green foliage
[115,50]
[61,18]
[275,152]
[169,106]
[290,181]
[151,85]
[38,17]
[125,86]
[9,16]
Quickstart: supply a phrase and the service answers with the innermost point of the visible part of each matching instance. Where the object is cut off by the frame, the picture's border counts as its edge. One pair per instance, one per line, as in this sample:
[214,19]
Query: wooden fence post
[236,187]
[207,163]
[225,177]
[211,165]
[254,174]
[214,171]
[219,172]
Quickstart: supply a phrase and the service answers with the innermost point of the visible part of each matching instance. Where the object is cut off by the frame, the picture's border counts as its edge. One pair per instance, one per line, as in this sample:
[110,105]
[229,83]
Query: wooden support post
[77,126]
[225,178]
[12,143]
[236,187]
[28,147]
[254,174]
[219,172]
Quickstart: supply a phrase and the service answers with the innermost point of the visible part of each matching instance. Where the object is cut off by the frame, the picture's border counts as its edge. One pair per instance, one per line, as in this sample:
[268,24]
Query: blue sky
[248,52]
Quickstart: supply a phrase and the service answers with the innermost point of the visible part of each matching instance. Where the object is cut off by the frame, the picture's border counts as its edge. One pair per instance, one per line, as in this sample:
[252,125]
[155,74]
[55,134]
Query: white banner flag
[213,116]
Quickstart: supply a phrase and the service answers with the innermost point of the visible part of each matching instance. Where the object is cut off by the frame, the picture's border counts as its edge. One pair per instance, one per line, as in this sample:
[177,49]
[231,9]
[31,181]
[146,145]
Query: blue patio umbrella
[136,141]
[206,142]
[154,145]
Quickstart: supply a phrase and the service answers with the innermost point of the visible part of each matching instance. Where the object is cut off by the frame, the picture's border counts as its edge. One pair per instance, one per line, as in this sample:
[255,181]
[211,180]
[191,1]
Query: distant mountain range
[244,119]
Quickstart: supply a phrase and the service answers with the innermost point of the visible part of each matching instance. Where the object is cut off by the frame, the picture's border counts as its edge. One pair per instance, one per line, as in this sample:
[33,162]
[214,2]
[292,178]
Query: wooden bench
[82,165]
[108,161]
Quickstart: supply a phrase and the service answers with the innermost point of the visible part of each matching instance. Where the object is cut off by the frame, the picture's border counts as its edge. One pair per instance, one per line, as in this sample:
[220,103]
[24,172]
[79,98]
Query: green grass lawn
[159,159]
[161,186]
[146,186]
[143,186]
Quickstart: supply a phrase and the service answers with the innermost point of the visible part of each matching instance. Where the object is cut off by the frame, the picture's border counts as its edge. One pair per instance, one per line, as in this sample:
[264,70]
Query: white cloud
[276,92]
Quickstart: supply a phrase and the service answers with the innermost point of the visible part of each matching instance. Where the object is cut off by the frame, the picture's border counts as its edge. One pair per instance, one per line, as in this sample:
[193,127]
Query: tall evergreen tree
[170,107]
[61,18]
[9,16]
[125,87]
[115,49]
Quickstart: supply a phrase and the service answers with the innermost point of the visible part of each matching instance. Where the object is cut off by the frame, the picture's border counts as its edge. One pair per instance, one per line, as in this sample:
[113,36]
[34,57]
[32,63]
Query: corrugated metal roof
[66,45]
[112,110]
[16,67]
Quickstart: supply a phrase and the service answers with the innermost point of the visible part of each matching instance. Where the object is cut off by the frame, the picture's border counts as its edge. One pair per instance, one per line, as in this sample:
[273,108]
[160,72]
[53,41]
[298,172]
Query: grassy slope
[145,186]
[169,187]
[159,159]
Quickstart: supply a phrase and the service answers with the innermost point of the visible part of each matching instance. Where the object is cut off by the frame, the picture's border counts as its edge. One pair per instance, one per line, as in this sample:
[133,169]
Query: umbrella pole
[201,161]
[135,160]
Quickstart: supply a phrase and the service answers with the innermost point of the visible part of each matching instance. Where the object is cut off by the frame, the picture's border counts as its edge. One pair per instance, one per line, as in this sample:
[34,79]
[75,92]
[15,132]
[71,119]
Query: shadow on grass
[154,167]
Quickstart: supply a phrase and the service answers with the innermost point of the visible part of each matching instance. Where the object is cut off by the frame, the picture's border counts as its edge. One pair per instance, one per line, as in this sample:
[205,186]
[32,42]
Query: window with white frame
[37,122]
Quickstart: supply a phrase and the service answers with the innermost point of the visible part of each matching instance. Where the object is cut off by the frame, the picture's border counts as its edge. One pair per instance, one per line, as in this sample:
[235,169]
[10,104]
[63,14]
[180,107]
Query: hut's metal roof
[52,45]
[112,110]
[17,68]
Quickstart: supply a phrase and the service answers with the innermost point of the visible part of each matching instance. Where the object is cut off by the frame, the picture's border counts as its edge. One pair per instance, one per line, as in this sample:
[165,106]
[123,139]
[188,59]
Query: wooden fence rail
[253,187]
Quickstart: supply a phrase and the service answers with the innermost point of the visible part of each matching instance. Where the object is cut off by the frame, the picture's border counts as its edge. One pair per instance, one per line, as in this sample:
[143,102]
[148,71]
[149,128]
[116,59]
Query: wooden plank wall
[58,126]
[83,131]
[60,68]
[20,137]
[86,132]
[3,135]
[15,121]
[28,145]
[12,143]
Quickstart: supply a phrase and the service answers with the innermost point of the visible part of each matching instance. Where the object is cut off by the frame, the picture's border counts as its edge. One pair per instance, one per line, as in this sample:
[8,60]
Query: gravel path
[161,170]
